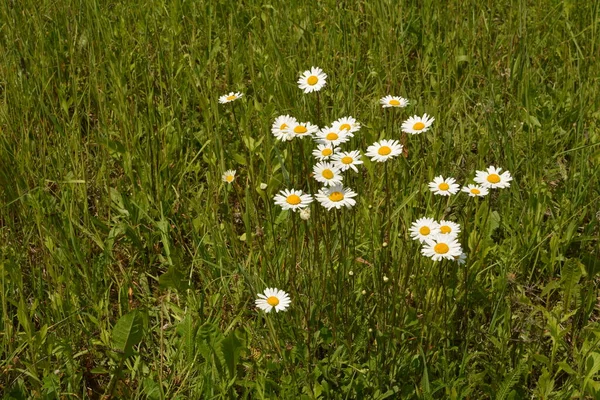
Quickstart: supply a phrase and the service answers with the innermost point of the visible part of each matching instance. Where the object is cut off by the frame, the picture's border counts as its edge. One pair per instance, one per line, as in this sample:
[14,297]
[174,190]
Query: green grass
[129,270]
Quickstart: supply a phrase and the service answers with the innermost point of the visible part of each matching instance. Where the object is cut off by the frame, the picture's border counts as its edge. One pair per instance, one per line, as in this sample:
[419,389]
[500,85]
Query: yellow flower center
[475,191]
[332,136]
[444,186]
[293,199]
[312,80]
[418,126]
[229,178]
[336,196]
[445,229]
[273,301]
[493,178]
[347,160]
[424,230]
[283,126]
[326,152]
[300,129]
[394,102]
[345,126]
[384,150]
[232,97]
[327,174]
[441,248]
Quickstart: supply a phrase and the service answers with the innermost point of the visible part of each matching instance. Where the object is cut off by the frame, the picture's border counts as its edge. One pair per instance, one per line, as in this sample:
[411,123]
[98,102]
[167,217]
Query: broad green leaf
[127,332]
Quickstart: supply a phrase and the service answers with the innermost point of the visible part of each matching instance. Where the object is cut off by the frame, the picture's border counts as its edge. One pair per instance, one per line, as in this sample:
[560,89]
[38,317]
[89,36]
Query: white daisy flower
[324,151]
[423,228]
[336,197]
[228,98]
[393,101]
[442,246]
[347,124]
[347,159]
[444,187]
[229,176]
[292,199]
[281,127]
[449,228]
[462,259]
[384,150]
[327,173]
[332,136]
[312,80]
[302,129]
[416,124]
[475,190]
[492,178]
[273,299]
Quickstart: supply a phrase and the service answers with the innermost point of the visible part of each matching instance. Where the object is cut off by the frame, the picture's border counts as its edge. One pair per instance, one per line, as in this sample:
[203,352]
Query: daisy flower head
[228,176]
[492,178]
[384,150]
[302,129]
[324,151]
[332,136]
[443,187]
[462,259]
[312,80]
[292,199]
[273,299]
[393,101]
[347,124]
[423,229]
[416,124]
[281,127]
[228,98]
[347,159]
[475,190]
[327,173]
[442,246]
[449,228]
[336,197]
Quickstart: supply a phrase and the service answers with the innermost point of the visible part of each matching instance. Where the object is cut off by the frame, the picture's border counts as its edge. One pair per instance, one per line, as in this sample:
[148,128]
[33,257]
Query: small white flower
[384,150]
[347,159]
[336,197]
[492,178]
[423,228]
[443,187]
[331,136]
[281,127]
[449,228]
[292,199]
[228,98]
[349,125]
[462,259]
[273,299]
[228,176]
[475,190]
[416,124]
[302,129]
[393,101]
[324,152]
[312,80]
[440,247]
[327,173]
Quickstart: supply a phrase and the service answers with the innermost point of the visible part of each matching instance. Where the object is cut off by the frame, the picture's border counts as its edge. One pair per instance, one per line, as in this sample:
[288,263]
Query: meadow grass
[128,269]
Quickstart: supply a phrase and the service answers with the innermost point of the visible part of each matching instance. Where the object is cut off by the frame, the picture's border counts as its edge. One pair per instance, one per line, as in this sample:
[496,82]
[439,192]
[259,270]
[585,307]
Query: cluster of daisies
[439,239]
[492,178]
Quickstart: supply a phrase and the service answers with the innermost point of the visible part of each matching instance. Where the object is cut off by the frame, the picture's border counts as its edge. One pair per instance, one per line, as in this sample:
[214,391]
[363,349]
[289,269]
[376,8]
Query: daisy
[327,173]
[292,199]
[423,228]
[228,98]
[347,124]
[384,150]
[440,247]
[462,259]
[302,129]
[324,151]
[416,124]
[336,197]
[332,136]
[273,299]
[228,176]
[393,101]
[347,159]
[281,127]
[443,187]
[475,190]
[449,228]
[313,80]
[492,178]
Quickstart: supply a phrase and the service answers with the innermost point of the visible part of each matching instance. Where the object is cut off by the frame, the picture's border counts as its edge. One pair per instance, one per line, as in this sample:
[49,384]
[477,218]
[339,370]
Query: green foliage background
[129,270]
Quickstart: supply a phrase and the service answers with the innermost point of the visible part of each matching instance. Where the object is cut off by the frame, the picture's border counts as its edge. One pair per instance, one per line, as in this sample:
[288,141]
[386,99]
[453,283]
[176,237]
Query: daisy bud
[364,292]
[305,214]
[351,273]
[385,279]
[384,244]
[263,186]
